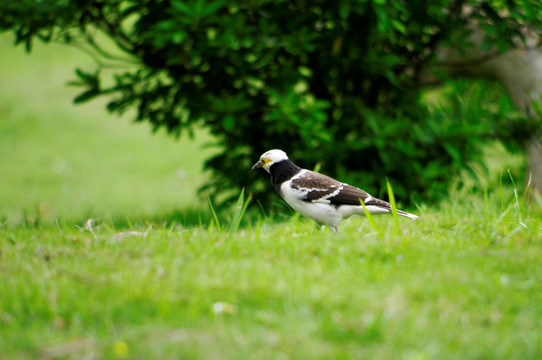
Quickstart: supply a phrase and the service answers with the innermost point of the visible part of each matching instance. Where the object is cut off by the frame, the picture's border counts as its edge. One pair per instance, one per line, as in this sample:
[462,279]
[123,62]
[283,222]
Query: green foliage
[330,82]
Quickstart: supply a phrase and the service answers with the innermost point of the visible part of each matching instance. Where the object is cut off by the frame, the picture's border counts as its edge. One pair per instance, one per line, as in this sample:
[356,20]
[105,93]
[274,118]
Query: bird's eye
[266,161]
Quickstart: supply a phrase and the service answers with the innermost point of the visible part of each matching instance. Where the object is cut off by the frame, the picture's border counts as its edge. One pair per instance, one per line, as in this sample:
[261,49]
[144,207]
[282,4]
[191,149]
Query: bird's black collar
[282,171]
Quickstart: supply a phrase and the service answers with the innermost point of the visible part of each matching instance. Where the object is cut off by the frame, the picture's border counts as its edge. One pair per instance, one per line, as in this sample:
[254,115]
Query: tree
[334,83]
[518,70]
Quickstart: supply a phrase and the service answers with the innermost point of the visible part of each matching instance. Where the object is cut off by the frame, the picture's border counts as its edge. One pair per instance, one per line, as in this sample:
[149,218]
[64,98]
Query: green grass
[464,282]
[145,280]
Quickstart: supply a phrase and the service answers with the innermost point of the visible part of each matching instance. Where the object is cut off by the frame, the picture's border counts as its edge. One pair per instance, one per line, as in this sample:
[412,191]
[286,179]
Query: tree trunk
[518,70]
[534,154]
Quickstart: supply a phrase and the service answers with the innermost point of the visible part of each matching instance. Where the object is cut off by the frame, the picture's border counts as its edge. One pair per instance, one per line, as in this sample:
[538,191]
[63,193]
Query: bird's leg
[333,227]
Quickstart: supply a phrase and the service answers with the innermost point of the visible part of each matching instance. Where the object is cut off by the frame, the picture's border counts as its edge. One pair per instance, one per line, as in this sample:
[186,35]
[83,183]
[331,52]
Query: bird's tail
[406,214]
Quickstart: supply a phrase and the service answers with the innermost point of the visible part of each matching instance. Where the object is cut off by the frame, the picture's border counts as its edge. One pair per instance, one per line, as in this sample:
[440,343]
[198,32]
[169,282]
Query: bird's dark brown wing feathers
[350,195]
[320,187]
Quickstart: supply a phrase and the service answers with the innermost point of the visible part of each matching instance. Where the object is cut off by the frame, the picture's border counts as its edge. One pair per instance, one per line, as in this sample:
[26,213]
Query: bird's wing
[315,187]
[321,188]
[350,195]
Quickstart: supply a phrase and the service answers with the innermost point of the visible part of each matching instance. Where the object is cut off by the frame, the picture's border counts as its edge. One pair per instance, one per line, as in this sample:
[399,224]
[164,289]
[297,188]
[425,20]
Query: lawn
[464,282]
[141,281]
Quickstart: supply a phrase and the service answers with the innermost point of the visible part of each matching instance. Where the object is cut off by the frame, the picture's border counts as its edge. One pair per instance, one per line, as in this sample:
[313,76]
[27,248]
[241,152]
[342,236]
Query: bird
[317,196]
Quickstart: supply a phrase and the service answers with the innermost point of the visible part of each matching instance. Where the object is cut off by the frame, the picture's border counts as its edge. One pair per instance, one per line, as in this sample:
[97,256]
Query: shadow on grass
[196,216]
[189,217]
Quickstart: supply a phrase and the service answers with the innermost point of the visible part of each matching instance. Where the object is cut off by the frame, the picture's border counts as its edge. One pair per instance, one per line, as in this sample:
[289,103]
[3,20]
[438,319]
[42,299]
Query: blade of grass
[370,217]
[527,187]
[500,192]
[503,215]
[217,222]
[245,205]
[393,209]
[240,209]
[262,209]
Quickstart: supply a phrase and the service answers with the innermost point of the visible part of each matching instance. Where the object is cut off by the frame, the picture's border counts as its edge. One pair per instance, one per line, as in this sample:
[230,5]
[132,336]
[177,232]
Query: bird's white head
[269,158]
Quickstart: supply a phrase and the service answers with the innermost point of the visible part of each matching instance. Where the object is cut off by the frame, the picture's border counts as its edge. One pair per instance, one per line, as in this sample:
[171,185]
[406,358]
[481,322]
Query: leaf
[89,79]
[229,122]
[212,7]
[255,82]
[197,9]
[304,71]
[85,96]
[182,7]
[344,9]
[301,87]
[453,151]
[399,26]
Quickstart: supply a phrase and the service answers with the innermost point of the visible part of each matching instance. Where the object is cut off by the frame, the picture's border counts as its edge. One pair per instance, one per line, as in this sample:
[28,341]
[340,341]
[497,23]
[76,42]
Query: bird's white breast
[323,213]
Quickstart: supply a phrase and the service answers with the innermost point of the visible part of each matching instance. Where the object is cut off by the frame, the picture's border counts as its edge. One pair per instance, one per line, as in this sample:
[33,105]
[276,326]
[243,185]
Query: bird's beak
[258,165]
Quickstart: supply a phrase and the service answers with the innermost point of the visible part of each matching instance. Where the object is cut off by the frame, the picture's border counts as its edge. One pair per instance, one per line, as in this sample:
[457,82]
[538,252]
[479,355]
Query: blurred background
[71,161]
[365,91]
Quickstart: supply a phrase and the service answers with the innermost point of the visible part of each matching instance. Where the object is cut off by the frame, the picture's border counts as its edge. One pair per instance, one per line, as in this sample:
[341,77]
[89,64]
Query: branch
[456,9]
[99,60]
[90,40]
[476,61]
[122,40]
